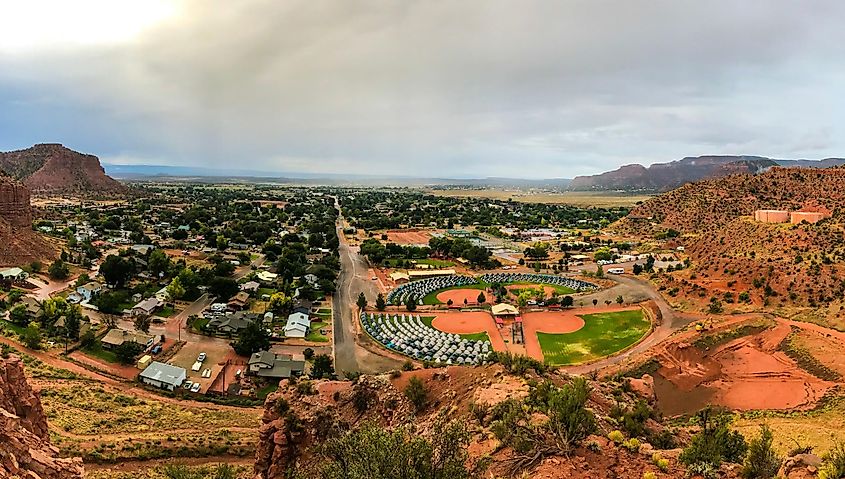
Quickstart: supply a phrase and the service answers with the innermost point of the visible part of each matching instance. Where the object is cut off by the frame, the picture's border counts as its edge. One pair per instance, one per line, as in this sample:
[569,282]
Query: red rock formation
[14,203]
[25,449]
[53,168]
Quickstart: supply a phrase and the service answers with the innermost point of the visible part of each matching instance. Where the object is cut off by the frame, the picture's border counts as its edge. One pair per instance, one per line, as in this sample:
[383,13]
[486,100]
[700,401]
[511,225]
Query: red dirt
[557,322]
[470,323]
[408,236]
[458,295]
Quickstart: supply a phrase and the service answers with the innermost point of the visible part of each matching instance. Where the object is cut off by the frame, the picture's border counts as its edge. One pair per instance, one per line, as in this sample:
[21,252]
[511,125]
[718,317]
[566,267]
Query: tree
[35,266]
[18,315]
[280,302]
[567,301]
[411,303]
[128,351]
[175,290]
[449,302]
[116,270]
[158,263]
[380,303]
[88,339]
[58,270]
[714,443]
[595,302]
[599,272]
[761,462]
[481,298]
[417,393]
[223,288]
[308,353]
[637,268]
[362,301]
[322,367]
[31,336]
[252,339]
[620,299]
[72,325]
[142,323]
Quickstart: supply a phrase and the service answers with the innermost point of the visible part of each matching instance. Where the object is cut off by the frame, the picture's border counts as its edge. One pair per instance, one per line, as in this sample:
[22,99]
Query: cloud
[438,88]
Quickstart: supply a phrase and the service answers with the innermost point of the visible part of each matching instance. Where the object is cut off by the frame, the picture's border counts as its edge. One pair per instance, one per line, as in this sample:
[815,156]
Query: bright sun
[33,24]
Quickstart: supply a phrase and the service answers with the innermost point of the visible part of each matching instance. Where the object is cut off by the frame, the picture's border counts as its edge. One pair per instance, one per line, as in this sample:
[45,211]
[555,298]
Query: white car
[206,373]
[195,388]
[201,357]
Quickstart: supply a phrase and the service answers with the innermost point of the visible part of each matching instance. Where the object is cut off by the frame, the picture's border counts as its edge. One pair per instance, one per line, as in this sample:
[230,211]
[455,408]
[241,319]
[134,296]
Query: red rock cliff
[53,168]
[14,203]
[25,449]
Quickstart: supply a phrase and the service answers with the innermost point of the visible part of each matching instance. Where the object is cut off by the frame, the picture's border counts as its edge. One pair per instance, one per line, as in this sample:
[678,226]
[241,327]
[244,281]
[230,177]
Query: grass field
[576,198]
[476,337]
[603,334]
[96,350]
[10,326]
[315,335]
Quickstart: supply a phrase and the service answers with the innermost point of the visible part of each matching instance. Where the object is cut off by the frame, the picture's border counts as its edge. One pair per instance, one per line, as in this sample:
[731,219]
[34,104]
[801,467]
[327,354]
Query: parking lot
[187,356]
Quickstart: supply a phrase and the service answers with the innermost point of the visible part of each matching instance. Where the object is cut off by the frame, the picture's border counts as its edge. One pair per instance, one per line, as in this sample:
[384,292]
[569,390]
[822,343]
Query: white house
[266,276]
[163,376]
[89,290]
[13,274]
[297,326]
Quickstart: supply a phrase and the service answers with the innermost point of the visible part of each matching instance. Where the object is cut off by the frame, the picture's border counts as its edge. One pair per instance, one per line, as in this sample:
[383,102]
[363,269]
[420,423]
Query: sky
[429,88]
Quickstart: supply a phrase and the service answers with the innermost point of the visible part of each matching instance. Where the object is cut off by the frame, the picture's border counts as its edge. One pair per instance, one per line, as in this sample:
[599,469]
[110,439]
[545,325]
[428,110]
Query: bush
[649,475]
[417,393]
[632,444]
[715,442]
[833,466]
[305,388]
[408,365]
[762,462]
[616,436]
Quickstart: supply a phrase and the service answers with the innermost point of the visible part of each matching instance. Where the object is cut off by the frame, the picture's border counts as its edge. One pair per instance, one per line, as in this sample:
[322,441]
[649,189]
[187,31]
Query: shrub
[632,444]
[649,475]
[715,442]
[616,436]
[408,365]
[305,388]
[479,411]
[417,393]
[762,462]
[833,466]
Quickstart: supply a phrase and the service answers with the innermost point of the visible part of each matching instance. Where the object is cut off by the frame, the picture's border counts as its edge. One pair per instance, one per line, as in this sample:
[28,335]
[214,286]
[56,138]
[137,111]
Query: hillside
[20,244]
[661,177]
[53,168]
[801,264]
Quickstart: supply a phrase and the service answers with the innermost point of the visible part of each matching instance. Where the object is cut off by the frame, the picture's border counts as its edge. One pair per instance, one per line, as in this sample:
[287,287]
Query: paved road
[354,278]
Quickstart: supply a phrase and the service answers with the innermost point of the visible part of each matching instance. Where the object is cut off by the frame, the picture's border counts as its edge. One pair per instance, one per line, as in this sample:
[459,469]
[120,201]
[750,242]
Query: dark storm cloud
[437,88]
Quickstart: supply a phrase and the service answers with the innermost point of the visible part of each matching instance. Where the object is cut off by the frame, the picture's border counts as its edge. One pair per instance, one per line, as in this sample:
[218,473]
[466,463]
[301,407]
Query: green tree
[762,461]
[417,393]
[620,299]
[252,339]
[714,443]
[142,323]
[362,301]
[280,302]
[31,336]
[127,352]
[158,263]
[175,290]
[637,268]
[72,325]
[599,271]
[481,298]
[116,270]
[18,315]
[380,302]
[567,301]
[58,270]
[223,288]
[322,367]
[411,303]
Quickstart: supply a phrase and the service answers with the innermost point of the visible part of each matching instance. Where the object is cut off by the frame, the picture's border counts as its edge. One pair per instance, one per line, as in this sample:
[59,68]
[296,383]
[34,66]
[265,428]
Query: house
[303,306]
[250,286]
[143,249]
[33,307]
[163,376]
[13,274]
[267,364]
[116,336]
[504,309]
[89,290]
[231,324]
[398,277]
[239,302]
[266,276]
[146,307]
[312,280]
[297,326]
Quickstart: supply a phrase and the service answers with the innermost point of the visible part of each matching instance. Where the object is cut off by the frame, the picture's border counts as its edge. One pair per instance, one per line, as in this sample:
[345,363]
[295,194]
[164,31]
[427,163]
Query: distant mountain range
[661,177]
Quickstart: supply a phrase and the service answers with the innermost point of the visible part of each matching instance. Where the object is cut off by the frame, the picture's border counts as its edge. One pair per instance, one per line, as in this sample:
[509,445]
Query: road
[354,278]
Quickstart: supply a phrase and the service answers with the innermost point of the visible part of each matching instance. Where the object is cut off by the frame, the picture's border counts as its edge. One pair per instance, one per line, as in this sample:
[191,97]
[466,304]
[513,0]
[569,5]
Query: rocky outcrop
[25,449]
[14,203]
[53,168]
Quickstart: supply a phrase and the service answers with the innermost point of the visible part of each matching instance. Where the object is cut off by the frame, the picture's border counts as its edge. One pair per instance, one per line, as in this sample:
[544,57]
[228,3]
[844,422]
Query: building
[13,274]
[143,249]
[297,326]
[504,309]
[771,216]
[239,302]
[163,376]
[250,286]
[399,277]
[146,307]
[116,336]
[266,276]
[267,364]
[430,273]
[231,324]
[33,307]
[89,290]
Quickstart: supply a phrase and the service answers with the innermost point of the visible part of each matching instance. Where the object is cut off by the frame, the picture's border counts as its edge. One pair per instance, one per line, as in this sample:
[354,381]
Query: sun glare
[34,24]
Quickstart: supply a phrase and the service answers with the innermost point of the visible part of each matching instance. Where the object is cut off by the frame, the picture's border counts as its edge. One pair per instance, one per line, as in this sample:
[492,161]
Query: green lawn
[96,350]
[262,291]
[476,337]
[315,335]
[263,392]
[603,334]
[10,326]
[166,312]
[199,324]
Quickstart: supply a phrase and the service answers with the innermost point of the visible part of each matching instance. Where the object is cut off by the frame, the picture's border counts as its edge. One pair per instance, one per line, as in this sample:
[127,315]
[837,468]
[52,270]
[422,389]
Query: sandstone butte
[54,168]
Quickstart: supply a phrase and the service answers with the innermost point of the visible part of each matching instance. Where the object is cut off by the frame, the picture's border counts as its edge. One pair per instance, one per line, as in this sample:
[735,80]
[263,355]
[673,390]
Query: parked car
[156,349]
[195,388]
[187,385]
[201,357]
